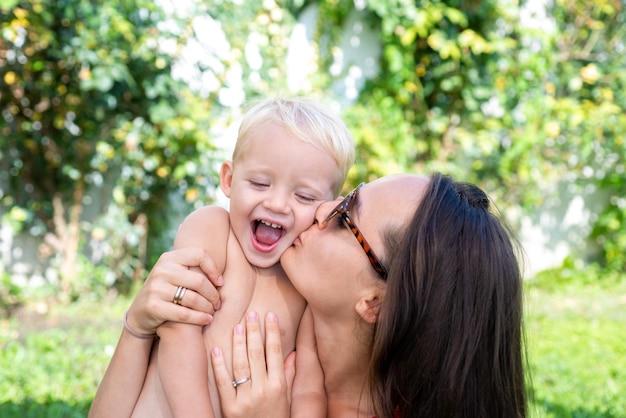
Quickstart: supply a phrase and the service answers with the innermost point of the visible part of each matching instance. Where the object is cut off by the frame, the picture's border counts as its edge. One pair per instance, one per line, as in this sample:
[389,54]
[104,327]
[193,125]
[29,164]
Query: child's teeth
[270,224]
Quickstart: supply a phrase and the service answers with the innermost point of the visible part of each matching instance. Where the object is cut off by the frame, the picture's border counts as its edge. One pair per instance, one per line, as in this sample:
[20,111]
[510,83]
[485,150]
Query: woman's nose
[323,211]
[319,219]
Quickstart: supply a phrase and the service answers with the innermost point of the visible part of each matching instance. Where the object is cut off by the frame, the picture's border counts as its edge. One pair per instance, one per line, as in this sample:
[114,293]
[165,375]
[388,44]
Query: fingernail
[209,318]
[220,280]
[239,329]
[217,352]
[271,317]
[218,305]
[252,316]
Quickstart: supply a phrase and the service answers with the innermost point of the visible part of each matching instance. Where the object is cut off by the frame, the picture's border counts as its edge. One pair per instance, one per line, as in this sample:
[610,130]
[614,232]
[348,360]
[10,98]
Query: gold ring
[179,295]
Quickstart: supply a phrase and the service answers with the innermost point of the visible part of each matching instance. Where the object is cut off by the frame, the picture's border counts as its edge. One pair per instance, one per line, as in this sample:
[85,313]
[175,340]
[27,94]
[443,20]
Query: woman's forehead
[392,196]
[399,187]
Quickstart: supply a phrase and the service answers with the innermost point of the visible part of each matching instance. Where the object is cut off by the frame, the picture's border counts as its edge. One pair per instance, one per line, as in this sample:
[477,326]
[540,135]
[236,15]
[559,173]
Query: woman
[420,319]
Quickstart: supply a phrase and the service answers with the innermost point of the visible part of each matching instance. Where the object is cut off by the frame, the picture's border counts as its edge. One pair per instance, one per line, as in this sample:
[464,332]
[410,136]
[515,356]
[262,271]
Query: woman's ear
[368,306]
[226,177]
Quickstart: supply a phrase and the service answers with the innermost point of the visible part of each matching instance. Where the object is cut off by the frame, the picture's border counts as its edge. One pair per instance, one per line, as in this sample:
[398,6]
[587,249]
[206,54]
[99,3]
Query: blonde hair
[309,121]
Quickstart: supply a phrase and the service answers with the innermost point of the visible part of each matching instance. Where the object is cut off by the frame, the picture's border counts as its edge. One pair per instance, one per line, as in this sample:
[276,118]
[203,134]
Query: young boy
[291,155]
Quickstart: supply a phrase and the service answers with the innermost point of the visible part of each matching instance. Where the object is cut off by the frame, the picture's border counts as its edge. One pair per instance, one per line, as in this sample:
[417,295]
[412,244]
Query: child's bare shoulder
[207,218]
[207,227]
[208,214]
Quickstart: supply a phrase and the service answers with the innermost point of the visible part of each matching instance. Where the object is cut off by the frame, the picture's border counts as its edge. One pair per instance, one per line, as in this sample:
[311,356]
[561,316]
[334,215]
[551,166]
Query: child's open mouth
[267,233]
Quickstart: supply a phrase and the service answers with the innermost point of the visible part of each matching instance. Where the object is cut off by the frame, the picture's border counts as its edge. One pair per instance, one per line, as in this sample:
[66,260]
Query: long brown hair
[449,338]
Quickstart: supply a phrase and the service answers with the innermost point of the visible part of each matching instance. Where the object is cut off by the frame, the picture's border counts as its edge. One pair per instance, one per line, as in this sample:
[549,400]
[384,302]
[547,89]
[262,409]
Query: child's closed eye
[259,183]
[305,198]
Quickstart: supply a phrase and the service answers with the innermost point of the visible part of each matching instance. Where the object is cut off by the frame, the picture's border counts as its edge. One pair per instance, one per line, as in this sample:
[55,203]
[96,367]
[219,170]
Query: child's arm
[308,396]
[183,366]
[182,360]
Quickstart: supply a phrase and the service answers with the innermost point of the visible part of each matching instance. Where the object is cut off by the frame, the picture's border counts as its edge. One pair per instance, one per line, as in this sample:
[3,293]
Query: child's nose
[277,203]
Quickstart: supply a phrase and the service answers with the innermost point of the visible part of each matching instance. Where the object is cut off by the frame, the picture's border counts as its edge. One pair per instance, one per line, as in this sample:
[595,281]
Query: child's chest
[247,288]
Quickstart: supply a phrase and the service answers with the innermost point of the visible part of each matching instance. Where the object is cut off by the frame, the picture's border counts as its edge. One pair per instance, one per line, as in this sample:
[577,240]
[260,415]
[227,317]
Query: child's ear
[368,307]
[226,177]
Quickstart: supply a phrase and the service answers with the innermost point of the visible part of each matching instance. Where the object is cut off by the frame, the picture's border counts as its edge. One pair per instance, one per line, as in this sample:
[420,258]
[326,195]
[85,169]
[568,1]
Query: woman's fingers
[200,267]
[255,352]
[223,380]
[266,393]
[196,257]
[198,288]
[236,399]
[154,304]
[241,365]
[274,349]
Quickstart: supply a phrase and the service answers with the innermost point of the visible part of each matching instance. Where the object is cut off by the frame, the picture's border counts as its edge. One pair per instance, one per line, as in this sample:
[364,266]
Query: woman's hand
[261,383]
[191,268]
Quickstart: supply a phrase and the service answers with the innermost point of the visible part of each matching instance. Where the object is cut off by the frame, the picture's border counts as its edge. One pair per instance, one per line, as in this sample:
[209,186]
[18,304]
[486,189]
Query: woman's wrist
[135,333]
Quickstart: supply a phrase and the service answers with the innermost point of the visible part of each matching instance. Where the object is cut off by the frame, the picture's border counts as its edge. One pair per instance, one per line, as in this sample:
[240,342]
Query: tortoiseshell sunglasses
[343,210]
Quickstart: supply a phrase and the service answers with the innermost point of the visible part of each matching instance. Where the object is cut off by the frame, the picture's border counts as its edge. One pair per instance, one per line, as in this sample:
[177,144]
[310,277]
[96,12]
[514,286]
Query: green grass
[577,344]
[51,364]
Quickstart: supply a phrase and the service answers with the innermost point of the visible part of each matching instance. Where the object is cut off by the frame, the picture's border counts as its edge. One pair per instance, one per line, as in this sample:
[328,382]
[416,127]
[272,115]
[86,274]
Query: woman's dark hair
[449,338]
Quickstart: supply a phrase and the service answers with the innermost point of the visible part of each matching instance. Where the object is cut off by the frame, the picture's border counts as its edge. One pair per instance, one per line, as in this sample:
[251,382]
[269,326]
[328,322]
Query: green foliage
[258,37]
[383,139]
[436,90]
[90,99]
[573,273]
[524,106]
[598,122]
[116,254]
[517,102]
[16,218]
[9,294]
[66,91]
